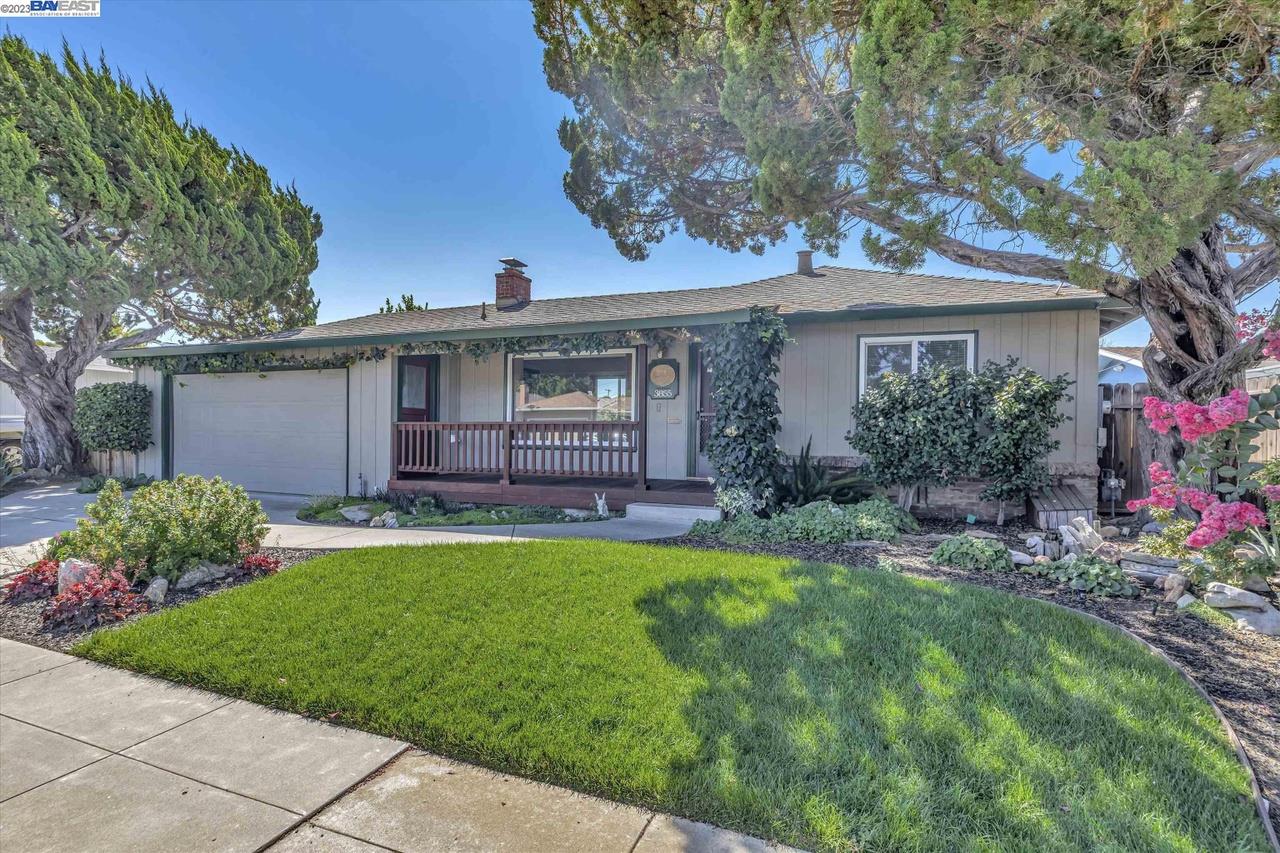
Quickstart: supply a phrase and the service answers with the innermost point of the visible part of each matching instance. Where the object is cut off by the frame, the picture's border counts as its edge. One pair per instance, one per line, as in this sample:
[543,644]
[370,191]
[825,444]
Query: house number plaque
[664,379]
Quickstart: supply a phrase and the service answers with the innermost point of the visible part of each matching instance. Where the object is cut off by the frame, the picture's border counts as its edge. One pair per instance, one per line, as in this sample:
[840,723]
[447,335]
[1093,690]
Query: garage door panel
[285,432]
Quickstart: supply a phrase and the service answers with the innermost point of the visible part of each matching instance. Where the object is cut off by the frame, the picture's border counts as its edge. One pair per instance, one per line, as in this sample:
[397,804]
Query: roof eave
[393,338]
[888,312]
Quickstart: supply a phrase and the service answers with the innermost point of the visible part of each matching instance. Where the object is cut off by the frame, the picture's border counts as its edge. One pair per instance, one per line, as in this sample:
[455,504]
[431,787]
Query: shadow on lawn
[847,708]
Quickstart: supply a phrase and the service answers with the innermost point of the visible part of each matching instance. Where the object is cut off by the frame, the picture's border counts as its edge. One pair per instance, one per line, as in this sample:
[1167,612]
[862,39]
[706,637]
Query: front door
[419,388]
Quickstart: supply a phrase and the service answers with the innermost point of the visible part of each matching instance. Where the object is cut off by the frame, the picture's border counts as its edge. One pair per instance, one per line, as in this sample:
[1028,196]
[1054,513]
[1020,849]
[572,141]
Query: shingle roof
[828,290]
[1134,353]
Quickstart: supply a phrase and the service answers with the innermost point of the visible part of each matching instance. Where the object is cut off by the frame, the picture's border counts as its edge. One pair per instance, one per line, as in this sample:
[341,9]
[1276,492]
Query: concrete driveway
[39,513]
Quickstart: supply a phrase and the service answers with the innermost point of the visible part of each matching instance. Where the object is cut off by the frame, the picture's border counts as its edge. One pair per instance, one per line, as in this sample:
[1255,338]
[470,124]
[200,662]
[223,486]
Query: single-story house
[491,401]
[1123,365]
[13,415]
[1120,366]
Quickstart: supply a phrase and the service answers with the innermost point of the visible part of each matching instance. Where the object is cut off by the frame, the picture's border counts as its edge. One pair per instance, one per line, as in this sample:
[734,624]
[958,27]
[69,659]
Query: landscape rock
[72,571]
[376,521]
[981,534]
[356,513]
[1152,527]
[1110,532]
[203,573]
[1265,621]
[1225,595]
[1085,533]
[1021,559]
[1042,559]
[1108,551]
[156,591]
[1152,579]
[36,474]
[1256,583]
[1186,600]
[1069,558]
[1035,544]
[1174,586]
[390,519]
[1071,543]
[572,512]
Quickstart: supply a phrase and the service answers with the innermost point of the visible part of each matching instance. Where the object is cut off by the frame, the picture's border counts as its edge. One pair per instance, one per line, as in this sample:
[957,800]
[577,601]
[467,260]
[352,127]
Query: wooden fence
[1121,453]
[114,463]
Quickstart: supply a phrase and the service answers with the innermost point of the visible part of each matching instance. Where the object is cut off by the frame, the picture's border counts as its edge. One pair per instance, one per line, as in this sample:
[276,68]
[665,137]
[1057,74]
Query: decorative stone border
[1261,803]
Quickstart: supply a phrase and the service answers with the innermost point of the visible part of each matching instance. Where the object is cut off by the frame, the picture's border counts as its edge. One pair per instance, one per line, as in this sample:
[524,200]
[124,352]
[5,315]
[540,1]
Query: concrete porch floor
[96,758]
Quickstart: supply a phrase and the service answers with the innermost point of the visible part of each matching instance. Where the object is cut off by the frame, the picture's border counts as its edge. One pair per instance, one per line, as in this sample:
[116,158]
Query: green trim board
[693,369]
[712,319]
[166,427]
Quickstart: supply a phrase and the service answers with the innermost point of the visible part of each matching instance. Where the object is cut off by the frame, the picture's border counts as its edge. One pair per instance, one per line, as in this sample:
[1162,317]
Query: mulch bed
[1239,669]
[21,622]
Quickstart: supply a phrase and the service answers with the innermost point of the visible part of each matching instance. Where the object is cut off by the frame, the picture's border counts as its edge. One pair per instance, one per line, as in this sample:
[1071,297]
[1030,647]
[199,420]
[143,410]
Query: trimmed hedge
[113,416]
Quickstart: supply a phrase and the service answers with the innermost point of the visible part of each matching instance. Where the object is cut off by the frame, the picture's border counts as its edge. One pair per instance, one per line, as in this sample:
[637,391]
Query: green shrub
[167,527]
[966,552]
[939,424]
[821,521]
[94,484]
[113,416]
[1087,574]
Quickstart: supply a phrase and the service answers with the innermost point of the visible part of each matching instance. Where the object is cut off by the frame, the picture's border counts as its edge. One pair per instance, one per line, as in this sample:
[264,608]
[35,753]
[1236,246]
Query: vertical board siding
[818,376]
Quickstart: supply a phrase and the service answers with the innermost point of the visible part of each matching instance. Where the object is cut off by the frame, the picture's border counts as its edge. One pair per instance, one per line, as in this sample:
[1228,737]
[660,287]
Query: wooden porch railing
[544,448]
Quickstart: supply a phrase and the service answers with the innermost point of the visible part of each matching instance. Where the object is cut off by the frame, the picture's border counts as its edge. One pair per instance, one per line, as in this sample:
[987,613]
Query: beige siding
[818,378]
[480,384]
[149,460]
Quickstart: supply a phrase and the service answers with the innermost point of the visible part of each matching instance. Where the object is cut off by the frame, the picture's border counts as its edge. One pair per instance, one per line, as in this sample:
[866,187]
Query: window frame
[913,338]
[510,384]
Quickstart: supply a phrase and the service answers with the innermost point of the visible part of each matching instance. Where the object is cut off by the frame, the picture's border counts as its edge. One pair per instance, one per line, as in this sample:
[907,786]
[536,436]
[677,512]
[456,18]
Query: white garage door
[285,433]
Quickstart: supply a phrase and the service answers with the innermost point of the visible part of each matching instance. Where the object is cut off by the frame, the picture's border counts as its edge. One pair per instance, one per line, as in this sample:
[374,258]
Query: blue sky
[423,133]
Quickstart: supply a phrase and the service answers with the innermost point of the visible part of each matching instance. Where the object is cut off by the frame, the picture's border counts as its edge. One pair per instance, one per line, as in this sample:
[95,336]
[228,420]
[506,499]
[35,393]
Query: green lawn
[818,705]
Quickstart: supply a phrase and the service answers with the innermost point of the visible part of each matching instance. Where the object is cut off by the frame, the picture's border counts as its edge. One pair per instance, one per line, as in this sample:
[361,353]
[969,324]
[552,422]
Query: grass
[818,705]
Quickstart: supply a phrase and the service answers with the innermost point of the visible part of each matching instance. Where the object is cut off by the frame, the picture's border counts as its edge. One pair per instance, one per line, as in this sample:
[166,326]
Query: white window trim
[913,339]
[510,390]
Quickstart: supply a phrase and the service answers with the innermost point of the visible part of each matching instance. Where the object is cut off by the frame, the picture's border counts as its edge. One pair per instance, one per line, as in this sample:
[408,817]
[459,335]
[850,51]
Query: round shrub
[168,527]
[114,416]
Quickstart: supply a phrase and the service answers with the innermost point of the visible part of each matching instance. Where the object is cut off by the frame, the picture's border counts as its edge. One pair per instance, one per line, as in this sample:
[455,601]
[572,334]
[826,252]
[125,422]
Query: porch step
[672,512]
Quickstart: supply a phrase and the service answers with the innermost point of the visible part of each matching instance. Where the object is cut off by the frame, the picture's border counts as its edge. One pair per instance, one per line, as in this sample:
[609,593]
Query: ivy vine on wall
[742,447]
[480,350]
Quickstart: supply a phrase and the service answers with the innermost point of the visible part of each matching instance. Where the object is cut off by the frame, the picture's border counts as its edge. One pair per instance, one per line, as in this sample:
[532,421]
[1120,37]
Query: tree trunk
[46,385]
[1190,303]
[48,439]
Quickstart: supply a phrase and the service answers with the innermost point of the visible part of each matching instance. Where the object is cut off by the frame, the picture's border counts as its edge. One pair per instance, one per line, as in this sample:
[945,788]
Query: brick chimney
[512,288]
[804,262]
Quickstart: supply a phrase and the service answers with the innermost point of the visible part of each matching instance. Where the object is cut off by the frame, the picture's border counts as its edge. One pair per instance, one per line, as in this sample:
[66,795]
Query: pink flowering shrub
[1271,343]
[1217,475]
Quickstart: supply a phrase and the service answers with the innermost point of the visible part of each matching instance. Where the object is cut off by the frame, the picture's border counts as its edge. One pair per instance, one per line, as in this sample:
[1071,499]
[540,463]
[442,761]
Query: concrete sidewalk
[97,758]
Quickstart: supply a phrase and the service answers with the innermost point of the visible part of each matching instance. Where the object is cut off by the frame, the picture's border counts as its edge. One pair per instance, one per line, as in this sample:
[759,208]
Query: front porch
[559,463]
[562,491]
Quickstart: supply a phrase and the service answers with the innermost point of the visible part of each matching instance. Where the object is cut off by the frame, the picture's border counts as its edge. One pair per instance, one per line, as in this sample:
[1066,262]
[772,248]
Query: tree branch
[1261,269]
[136,339]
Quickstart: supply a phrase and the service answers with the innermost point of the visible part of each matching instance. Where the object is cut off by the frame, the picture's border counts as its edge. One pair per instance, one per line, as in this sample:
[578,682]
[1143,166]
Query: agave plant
[805,480]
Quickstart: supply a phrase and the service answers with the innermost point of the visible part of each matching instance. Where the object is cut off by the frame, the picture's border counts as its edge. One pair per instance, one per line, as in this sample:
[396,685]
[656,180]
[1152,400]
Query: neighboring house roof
[1128,355]
[829,290]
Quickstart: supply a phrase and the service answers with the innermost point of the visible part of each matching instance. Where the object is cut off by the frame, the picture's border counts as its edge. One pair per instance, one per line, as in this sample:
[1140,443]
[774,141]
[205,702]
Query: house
[1120,366]
[1123,365]
[13,416]
[520,399]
